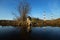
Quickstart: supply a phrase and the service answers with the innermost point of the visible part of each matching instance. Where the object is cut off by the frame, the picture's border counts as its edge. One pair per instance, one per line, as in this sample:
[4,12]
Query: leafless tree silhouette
[23,9]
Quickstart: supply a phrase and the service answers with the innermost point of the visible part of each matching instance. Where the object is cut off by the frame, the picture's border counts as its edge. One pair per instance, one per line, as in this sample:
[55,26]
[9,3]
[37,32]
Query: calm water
[37,33]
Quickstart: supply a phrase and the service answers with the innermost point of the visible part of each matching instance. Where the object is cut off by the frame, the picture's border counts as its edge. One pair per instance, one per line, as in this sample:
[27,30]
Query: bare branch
[23,10]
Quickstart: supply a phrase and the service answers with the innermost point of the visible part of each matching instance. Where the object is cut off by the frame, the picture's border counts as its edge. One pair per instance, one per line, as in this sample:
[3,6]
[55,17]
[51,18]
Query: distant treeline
[39,22]
[7,22]
[35,22]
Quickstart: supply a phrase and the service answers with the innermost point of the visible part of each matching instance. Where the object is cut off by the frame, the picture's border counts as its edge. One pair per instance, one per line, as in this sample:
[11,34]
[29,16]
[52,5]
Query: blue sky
[52,7]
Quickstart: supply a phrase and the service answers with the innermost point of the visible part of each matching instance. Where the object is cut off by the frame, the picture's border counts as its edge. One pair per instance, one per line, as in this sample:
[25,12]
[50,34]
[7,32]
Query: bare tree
[24,9]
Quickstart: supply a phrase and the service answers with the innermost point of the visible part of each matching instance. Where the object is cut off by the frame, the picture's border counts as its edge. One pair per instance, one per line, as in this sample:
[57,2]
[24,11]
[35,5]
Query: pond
[37,33]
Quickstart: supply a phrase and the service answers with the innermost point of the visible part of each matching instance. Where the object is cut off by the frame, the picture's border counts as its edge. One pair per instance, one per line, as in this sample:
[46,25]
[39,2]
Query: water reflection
[37,33]
[48,33]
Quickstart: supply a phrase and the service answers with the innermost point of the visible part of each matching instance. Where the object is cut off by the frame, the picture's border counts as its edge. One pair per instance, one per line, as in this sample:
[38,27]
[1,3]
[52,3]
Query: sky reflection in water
[48,33]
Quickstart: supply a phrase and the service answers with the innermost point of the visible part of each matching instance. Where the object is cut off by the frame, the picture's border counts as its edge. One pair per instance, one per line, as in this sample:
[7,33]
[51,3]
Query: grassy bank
[35,23]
